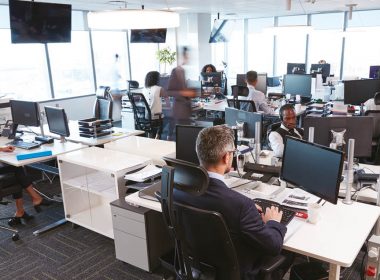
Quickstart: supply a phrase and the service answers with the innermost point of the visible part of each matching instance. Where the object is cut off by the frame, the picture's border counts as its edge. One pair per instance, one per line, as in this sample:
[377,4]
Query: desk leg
[49,227]
[334,272]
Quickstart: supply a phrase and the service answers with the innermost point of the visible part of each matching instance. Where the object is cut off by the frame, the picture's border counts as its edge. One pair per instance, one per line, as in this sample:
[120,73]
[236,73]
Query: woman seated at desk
[208,68]
[153,93]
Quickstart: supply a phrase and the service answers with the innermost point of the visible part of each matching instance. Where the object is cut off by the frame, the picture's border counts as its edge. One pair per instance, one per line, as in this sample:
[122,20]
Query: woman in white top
[153,93]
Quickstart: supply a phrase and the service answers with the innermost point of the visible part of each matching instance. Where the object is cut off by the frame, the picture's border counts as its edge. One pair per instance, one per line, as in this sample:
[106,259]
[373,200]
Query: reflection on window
[23,69]
[104,57]
[235,55]
[71,66]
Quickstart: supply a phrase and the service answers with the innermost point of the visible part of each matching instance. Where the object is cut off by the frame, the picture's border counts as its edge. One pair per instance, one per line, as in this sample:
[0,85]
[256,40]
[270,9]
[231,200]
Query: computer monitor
[25,113]
[164,82]
[374,72]
[261,82]
[186,136]
[358,128]
[323,69]
[296,68]
[212,79]
[313,168]
[239,91]
[357,92]
[295,84]
[57,121]
[240,80]
[249,118]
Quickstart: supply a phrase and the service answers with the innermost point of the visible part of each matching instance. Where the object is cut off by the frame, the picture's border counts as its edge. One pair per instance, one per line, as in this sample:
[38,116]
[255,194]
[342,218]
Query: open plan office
[104,113]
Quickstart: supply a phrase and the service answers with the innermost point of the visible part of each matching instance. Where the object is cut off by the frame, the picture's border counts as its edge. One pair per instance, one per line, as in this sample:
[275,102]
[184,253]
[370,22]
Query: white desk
[152,148]
[336,238]
[57,148]
[118,133]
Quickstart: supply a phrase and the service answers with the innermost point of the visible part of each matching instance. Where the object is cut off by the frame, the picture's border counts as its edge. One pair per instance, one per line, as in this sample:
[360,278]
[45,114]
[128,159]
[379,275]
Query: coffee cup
[314,212]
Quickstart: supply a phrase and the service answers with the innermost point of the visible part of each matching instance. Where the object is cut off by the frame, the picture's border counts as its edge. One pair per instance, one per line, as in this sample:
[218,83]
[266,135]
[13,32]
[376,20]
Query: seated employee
[208,68]
[255,236]
[288,127]
[373,103]
[257,96]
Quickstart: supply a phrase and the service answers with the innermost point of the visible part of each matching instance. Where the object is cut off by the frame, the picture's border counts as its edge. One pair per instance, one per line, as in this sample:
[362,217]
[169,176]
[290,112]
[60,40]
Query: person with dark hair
[288,127]
[181,93]
[255,236]
[23,179]
[208,68]
[153,93]
[255,95]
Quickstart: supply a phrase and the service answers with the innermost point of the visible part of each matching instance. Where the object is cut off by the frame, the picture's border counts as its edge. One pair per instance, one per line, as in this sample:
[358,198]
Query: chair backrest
[201,236]
[133,84]
[141,109]
[375,114]
[103,109]
[376,98]
[247,105]
[103,92]
[271,127]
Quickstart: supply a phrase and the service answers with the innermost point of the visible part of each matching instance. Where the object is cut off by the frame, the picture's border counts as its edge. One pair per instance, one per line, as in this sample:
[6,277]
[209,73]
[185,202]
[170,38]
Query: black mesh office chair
[103,104]
[199,254]
[245,105]
[132,84]
[8,186]
[375,114]
[144,120]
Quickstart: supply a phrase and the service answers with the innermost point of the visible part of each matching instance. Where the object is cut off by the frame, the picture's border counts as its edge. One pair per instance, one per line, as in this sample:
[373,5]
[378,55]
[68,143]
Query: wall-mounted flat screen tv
[148,35]
[221,31]
[34,22]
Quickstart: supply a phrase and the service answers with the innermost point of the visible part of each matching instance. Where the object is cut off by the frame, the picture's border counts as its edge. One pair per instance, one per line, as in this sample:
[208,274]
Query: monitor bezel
[66,122]
[338,181]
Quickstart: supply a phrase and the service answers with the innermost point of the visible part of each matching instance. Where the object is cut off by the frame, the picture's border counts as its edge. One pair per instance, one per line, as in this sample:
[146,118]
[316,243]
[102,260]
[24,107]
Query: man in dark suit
[256,236]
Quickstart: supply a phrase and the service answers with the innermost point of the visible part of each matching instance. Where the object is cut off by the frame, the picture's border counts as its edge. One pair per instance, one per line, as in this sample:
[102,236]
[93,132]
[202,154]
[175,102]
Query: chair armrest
[272,264]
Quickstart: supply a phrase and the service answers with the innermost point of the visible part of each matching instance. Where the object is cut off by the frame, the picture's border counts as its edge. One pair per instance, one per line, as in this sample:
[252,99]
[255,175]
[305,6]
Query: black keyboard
[287,214]
[262,168]
[24,145]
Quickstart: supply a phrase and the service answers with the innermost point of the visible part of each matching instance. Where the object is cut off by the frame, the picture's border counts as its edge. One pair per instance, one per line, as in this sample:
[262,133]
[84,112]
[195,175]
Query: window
[106,44]
[291,45]
[325,42]
[260,45]
[71,66]
[235,51]
[23,69]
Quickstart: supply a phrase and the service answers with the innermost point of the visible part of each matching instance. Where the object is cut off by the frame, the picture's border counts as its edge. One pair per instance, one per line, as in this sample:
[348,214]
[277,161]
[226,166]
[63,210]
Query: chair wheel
[15,237]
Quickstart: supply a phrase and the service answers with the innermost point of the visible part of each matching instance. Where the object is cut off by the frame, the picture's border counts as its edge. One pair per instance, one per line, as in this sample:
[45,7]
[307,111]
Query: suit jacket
[254,241]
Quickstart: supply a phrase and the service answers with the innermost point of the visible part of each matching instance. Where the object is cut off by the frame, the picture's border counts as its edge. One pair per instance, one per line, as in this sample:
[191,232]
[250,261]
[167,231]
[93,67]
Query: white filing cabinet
[90,179]
[141,236]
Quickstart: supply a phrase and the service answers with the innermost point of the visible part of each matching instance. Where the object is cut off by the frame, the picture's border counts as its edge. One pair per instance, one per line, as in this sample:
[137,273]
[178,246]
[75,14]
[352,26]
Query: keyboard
[287,214]
[24,145]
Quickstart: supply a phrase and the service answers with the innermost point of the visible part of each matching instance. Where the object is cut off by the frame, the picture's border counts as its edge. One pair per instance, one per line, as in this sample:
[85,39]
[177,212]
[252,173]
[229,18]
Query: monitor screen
[374,72]
[357,92]
[221,30]
[358,128]
[186,136]
[57,121]
[34,22]
[212,79]
[239,91]
[323,69]
[296,68]
[240,80]
[297,84]
[250,118]
[313,168]
[261,82]
[25,113]
[164,82]
[148,35]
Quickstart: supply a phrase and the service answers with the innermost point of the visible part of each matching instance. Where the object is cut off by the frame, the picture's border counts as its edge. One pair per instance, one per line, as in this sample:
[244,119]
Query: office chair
[198,254]
[245,105]
[8,186]
[152,125]
[132,84]
[269,129]
[103,104]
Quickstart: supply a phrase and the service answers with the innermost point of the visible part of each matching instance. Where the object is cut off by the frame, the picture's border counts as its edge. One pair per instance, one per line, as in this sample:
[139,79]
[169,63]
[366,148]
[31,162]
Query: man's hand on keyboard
[7,149]
[272,214]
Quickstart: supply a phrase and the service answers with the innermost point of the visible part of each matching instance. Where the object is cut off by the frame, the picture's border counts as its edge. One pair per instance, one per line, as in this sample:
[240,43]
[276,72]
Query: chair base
[15,235]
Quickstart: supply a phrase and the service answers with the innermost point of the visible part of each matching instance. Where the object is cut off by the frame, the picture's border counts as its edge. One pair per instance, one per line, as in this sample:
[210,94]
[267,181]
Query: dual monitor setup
[314,168]
[27,113]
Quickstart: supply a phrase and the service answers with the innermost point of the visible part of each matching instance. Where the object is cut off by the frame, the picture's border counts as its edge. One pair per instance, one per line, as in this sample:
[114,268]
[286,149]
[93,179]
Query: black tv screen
[34,22]
[221,31]
[148,35]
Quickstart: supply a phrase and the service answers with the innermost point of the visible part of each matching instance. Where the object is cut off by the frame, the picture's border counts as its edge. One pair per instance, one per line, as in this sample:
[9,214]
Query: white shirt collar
[216,176]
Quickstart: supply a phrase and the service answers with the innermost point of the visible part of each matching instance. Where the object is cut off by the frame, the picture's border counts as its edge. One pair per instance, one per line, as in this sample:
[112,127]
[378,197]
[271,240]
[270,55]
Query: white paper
[299,199]
[149,171]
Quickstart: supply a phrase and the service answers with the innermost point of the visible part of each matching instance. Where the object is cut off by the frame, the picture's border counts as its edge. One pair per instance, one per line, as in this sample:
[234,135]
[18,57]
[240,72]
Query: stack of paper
[148,172]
